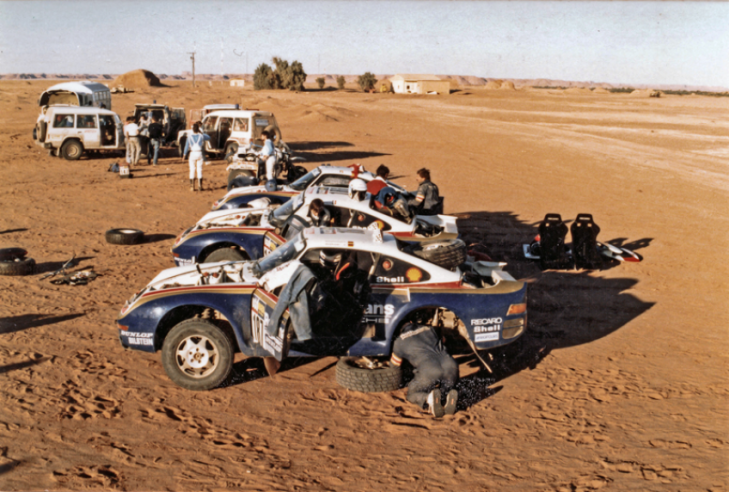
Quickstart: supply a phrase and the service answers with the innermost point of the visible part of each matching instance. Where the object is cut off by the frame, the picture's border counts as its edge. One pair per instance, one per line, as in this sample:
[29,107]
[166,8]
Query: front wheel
[197,355]
[72,150]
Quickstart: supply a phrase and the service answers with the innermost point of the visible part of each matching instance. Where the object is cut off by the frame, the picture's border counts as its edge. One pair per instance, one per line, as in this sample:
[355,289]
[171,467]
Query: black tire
[224,254]
[124,236]
[230,150]
[197,355]
[14,262]
[447,254]
[353,377]
[72,150]
[35,132]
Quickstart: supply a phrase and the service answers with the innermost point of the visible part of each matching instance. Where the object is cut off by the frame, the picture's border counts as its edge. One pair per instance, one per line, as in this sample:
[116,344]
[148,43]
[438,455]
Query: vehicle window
[287,209]
[334,180]
[294,225]
[240,125]
[210,123]
[395,271]
[63,121]
[284,253]
[159,114]
[305,181]
[361,220]
[86,121]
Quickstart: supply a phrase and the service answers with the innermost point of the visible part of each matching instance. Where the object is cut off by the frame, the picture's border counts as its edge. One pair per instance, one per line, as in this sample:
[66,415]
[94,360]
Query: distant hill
[331,79]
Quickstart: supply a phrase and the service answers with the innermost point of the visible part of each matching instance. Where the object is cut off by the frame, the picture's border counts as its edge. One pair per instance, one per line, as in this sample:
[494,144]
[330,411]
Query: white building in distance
[419,84]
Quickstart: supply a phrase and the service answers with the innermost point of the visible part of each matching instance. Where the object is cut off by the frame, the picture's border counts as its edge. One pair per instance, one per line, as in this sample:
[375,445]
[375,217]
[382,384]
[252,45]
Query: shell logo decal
[380,224]
[414,274]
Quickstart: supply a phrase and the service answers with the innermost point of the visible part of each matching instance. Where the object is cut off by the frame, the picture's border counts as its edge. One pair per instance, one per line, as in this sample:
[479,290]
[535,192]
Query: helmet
[330,259]
[357,189]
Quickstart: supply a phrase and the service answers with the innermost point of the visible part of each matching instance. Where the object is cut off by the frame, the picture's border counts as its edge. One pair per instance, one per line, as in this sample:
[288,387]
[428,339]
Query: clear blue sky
[616,42]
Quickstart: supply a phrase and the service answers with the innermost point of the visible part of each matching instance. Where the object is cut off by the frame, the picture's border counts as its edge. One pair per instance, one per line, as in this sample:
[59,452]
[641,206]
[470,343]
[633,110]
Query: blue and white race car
[241,234]
[199,316]
[323,176]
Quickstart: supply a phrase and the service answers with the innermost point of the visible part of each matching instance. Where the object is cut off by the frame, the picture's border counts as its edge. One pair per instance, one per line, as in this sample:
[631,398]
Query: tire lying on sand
[352,374]
[14,262]
[448,254]
[124,236]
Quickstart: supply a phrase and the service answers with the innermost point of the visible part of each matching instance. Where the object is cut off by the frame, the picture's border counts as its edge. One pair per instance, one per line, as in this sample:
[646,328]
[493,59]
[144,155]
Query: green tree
[297,77]
[367,81]
[341,82]
[281,74]
[320,81]
[263,77]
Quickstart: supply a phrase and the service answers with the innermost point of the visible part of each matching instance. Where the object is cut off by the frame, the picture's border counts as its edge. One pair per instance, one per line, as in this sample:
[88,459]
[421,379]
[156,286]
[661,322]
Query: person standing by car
[436,372]
[194,146]
[427,198]
[144,134]
[131,133]
[268,156]
[155,140]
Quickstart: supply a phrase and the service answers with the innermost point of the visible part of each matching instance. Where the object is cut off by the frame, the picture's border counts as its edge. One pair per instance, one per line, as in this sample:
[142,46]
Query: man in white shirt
[131,133]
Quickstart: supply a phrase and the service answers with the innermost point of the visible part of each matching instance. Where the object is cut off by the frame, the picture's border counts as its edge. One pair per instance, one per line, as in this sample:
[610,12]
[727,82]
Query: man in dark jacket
[427,198]
[155,140]
[423,348]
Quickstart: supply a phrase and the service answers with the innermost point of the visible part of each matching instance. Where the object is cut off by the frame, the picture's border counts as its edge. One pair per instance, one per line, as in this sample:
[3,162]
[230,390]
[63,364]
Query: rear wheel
[225,254]
[72,150]
[230,150]
[368,375]
[197,355]
[124,236]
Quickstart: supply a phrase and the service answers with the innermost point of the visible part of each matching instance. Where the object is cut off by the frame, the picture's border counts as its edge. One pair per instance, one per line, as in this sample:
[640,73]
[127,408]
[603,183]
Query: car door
[210,127]
[275,345]
[87,127]
[225,126]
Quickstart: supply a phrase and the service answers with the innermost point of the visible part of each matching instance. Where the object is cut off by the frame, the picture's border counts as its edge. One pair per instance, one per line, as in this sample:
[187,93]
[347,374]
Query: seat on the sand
[553,252]
[584,242]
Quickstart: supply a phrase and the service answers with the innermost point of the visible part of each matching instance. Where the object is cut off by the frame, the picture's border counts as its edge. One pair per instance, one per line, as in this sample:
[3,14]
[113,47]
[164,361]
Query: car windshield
[279,216]
[283,254]
[303,182]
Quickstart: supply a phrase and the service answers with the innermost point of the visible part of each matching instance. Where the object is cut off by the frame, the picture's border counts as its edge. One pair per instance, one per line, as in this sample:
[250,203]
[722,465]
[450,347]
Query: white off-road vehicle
[232,129]
[70,131]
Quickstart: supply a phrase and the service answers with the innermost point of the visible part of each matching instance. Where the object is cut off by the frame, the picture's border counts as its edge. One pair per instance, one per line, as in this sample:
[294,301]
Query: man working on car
[155,140]
[374,186]
[423,348]
[427,198]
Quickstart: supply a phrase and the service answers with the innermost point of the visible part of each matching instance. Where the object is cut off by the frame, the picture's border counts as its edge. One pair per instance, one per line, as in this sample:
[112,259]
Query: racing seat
[553,252]
[584,242]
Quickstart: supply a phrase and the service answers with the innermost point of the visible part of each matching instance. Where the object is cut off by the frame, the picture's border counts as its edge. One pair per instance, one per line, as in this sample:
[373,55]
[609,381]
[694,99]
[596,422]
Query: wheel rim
[197,356]
[73,150]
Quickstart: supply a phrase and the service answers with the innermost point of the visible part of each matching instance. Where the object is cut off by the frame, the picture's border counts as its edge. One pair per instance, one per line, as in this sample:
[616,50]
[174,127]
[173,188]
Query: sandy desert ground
[620,384]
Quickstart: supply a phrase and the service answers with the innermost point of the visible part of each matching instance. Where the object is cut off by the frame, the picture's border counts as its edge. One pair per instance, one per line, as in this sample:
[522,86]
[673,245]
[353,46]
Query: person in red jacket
[374,186]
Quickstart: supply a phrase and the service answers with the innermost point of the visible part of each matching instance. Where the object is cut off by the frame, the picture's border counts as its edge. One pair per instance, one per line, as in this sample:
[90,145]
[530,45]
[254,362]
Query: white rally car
[253,232]
[322,176]
[199,316]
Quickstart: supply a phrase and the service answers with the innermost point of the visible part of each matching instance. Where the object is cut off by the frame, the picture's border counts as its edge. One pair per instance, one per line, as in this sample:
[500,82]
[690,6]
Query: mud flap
[553,252]
[584,242]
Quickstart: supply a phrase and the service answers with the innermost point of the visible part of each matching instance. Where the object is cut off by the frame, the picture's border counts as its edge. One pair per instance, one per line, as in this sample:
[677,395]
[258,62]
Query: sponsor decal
[414,274]
[136,338]
[379,313]
[184,261]
[390,280]
[486,337]
[486,321]
[350,244]
[486,328]
[380,224]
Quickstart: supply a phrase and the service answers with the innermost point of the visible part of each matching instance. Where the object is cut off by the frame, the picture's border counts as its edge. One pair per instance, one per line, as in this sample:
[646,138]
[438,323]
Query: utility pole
[193,66]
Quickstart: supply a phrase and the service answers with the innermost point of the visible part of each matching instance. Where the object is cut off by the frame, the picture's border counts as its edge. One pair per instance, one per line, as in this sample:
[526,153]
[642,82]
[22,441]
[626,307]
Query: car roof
[142,105]
[80,86]
[221,106]
[69,108]
[238,113]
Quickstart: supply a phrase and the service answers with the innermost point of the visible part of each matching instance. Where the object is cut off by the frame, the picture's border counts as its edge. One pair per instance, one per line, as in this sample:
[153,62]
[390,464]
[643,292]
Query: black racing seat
[553,252]
[584,242]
